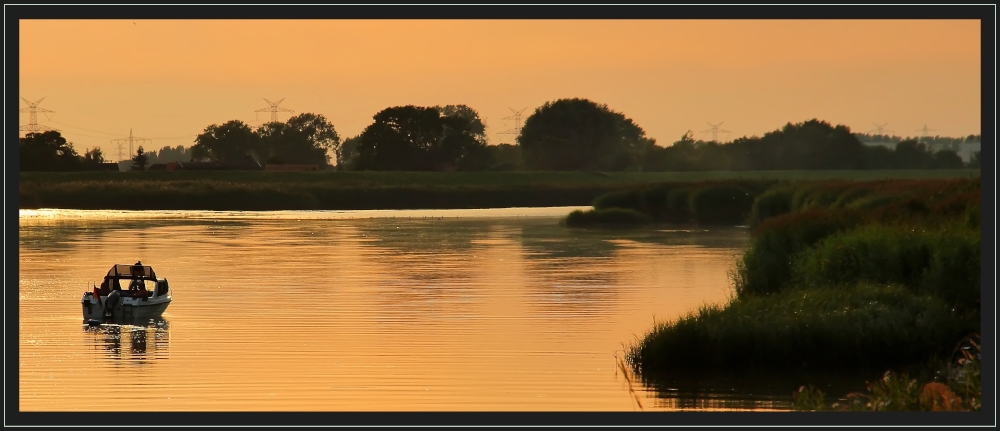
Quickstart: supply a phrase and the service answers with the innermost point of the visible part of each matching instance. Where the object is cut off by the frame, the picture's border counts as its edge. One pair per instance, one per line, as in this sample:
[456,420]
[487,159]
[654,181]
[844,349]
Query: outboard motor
[109,304]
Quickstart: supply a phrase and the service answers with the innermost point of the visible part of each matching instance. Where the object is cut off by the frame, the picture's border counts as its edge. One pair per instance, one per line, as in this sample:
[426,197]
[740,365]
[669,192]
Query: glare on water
[474,310]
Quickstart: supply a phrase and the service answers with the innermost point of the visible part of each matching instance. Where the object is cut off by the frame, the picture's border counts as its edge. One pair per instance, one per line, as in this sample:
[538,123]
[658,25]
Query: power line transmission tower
[923,131]
[517,122]
[131,144]
[715,131]
[33,110]
[273,109]
[880,129]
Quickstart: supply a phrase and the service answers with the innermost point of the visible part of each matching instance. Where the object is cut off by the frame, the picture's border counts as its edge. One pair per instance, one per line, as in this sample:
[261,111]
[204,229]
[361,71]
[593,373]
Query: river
[329,311]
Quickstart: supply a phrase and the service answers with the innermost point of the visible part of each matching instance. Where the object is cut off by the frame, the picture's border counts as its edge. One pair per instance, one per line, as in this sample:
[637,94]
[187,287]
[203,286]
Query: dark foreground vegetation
[840,278]
[331,190]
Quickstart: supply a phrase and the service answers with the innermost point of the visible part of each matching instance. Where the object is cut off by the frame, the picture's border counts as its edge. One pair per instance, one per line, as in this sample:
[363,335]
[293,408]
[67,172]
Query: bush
[865,327]
[613,217]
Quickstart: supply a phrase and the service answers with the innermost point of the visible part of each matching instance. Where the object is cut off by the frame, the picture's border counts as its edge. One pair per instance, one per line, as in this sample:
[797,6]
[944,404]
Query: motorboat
[147,296]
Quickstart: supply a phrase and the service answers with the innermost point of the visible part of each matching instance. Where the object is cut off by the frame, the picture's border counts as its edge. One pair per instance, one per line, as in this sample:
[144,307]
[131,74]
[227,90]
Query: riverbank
[253,190]
[854,278]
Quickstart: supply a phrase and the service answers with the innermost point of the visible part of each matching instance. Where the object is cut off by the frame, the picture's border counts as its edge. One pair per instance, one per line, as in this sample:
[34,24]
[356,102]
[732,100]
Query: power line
[880,129]
[131,142]
[715,131]
[82,128]
[924,131]
[273,109]
[517,122]
[33,110]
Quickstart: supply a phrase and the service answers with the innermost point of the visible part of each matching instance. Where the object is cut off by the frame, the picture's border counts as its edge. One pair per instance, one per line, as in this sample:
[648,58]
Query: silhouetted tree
[413,138]
[139,161]
[168,154]
[974,160]
[578,134]
[911,154]
[47,151]
[233,140]
[304,139]
[506,157]
[347,153]
[94,156]
[947,159]
[811,144]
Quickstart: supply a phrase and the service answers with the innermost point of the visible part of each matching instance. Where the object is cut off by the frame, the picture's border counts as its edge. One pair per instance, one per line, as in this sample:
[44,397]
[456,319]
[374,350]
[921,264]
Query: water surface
[447,310]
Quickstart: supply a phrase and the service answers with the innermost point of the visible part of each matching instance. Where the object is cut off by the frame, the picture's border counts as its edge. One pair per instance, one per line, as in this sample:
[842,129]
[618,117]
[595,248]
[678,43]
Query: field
[250,190]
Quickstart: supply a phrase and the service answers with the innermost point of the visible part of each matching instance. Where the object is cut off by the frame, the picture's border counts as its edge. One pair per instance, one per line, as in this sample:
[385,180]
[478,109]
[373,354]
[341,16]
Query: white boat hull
[127,311]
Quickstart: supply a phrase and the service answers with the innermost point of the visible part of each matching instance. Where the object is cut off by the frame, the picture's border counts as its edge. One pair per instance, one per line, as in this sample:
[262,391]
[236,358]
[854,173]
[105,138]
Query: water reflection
[135,344]
[408,314]
[42,233]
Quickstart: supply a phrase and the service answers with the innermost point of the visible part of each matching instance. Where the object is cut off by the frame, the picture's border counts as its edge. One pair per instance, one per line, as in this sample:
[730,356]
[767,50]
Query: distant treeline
[564,135]
[934,141]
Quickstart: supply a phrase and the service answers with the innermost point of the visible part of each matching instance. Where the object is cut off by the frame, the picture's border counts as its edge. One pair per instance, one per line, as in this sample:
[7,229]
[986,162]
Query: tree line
[561,135]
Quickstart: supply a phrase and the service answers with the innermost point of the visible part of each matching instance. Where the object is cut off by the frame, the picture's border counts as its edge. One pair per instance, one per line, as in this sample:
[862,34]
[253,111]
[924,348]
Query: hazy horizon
[166,80]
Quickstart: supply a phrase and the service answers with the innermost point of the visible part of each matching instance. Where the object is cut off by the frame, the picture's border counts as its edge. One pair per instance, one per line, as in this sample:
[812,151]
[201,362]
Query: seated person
[104,289]
[137,288]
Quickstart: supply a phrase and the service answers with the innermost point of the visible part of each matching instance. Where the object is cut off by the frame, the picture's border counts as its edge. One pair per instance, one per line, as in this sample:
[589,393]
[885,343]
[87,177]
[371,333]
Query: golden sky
[167,80]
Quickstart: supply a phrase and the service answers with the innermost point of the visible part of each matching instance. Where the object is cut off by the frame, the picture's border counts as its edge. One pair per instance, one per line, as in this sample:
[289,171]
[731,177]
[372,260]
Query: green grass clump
[722,204]
[612,217]
[843,277]
[942,262]
[774,202]
[864,327]
[766,266]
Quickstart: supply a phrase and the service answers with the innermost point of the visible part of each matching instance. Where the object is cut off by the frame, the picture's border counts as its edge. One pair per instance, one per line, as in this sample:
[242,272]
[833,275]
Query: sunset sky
[167,80]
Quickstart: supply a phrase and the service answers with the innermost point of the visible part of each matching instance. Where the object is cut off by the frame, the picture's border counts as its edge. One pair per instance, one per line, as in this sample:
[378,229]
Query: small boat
[147,296]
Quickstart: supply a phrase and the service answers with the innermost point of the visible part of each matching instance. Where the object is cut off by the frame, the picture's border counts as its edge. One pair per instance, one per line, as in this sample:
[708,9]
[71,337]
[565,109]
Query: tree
[304,139]
[168,154]
[414,138]
[974,161]
[947,159]
[506,157]
[94,156]
[47,151]
[233,140]
[348,153]
[399,139]
[139,161]
[462,145]
[911,154]
[578,134]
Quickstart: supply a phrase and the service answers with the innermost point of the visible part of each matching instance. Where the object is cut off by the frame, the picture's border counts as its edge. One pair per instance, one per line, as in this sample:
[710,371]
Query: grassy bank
[235,190]
[840,277]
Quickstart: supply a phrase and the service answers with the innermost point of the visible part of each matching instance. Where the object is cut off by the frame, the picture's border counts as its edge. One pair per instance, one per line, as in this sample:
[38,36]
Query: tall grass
[707,203]
[866,327]
[862,276]
[943,262]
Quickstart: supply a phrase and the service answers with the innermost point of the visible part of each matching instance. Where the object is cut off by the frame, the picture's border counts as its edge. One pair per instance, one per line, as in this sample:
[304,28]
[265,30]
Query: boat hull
[127,311]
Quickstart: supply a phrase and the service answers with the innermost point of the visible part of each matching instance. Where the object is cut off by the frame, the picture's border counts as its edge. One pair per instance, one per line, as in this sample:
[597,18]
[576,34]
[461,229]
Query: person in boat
[136,285]
[137,288]
[113,298]
[105,288]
